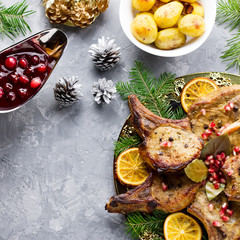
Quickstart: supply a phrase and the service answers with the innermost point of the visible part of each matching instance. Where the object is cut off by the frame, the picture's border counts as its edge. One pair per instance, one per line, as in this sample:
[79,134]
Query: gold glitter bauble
[80,13]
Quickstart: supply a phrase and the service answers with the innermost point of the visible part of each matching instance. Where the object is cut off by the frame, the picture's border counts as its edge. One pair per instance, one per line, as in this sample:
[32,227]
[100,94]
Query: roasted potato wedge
[143,5]
[195,8]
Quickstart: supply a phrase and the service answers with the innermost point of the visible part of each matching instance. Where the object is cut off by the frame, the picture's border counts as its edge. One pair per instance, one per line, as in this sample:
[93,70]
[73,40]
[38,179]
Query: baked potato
[156,5]
[195,8]
[144,28]
[167,15]
[143,5]
[188,1]
[170,38]
[192,25]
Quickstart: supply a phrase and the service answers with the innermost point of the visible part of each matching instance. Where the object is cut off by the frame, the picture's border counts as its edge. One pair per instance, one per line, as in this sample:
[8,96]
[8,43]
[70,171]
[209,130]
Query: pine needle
[228,11]
[125,143]
[12,19]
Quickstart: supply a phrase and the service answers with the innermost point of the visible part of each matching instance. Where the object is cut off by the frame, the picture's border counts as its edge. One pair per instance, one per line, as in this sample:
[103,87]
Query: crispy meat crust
[229,230]
[232,189]
[150,195]
[214,104]
[186,146]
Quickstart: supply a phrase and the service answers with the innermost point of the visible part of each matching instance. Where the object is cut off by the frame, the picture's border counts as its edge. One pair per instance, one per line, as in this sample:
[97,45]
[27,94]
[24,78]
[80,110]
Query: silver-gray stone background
[56,165]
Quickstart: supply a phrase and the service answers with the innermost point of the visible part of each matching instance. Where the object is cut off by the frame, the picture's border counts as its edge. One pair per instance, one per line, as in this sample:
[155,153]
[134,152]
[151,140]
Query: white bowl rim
[187,48]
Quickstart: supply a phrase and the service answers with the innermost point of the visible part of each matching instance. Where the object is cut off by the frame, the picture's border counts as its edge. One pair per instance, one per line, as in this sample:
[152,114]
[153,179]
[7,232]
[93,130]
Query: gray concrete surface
[56,164]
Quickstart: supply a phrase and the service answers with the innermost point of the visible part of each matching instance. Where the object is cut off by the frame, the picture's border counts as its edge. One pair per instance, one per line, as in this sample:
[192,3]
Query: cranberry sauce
[23,70]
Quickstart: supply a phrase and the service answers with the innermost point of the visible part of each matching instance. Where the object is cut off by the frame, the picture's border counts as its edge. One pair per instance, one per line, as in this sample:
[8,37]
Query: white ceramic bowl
[127,14]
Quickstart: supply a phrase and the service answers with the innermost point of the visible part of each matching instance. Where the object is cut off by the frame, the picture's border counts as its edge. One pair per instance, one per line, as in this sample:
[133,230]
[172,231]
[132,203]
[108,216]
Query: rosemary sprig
[12,19]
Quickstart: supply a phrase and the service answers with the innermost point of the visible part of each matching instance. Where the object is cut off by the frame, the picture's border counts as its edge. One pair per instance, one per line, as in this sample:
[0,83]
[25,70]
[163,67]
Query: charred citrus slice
[196,88]
[196,170]
[131,169]
[179,226]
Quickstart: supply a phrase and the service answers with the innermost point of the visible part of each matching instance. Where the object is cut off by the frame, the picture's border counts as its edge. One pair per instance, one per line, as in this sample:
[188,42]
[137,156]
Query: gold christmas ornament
[77,13]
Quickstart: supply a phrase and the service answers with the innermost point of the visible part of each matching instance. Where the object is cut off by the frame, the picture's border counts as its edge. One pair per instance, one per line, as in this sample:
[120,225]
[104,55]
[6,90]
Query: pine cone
[79,13]
[67,91]
[105,54]
[104,91]
[57,10]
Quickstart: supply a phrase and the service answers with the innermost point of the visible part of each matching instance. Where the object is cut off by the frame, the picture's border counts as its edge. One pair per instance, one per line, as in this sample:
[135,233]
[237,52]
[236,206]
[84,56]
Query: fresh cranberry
[35,60]
[11,96]
[29,71]
[35,82]
[1,92]
[23,63]
[8,87]
[23,92]
[42,68]
[10,63]
[24,79]
[13,78]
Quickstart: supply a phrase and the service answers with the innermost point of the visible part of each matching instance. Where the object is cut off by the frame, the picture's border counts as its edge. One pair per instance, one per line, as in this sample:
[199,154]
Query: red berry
[10,63]
[229,212]
[35,60]
[36,82]
[29,71]
[24,79]
[225,218]
[42,68]
[11,96]
[1,92]
[23,63]
[216,224]
[8,87]
[13,78]
[22,92]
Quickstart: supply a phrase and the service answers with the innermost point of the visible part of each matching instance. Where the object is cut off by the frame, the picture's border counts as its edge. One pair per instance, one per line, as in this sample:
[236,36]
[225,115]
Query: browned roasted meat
[231,168]
[214,105]
[156,130]
[150,195]
[233,131]
[229,230]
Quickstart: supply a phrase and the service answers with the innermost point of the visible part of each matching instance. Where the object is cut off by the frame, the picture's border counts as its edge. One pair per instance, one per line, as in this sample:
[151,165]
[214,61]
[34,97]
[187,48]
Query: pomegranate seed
[164,144]
[24,79]
[225,218]
[215,181]
[210,207]
[209,157]
[216,185]
[222,185]
[224,206]
[36,83]
[208,132]
[206,162]
[234,153]
[229,212]
[222,213]
[42,68]
[23,63]
[236,149]
[204,136]
[22,92]
[215,176]
[13,78]
[218,133]
[227,108]
[35,59]
[222,180]
[8,87]
[203,112]
[210,170]
[230,173]
[211,179]
[10,63]
[164,186]
[1,92]
[212,125]
[11,96]
[223,155]
[212,161]
[216,224]
[219,157]
[220,174]
[231,105]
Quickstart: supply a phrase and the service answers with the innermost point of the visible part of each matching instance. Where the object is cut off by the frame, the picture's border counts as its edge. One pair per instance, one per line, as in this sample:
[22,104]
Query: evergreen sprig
[137,223]
[125,143]
[151,91]
[12,19]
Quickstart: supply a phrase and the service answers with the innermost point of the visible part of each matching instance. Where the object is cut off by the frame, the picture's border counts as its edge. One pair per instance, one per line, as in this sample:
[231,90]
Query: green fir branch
[232,54]
[125,143]
[138,223]
[12,19]
[228,12]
